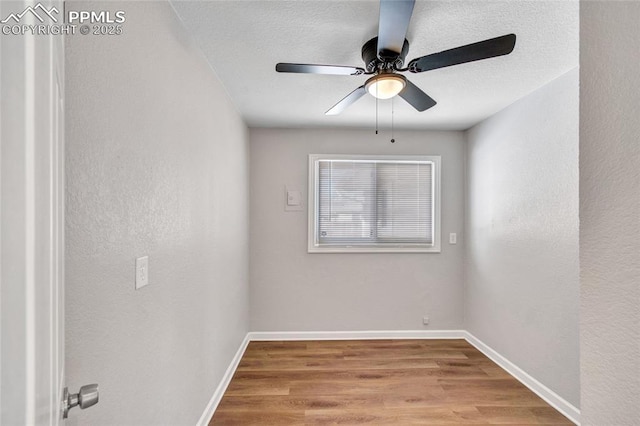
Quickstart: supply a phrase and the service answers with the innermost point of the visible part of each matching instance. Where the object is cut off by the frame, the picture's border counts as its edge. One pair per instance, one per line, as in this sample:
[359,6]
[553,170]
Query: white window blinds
[374,202]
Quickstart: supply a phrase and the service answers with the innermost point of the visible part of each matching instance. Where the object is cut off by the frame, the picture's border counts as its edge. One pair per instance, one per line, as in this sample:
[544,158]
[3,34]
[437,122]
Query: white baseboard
[571,412]
[224,382]
[552,398]
[356,335]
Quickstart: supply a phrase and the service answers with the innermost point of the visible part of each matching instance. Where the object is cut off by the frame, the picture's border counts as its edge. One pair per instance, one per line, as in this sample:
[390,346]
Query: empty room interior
[320,212]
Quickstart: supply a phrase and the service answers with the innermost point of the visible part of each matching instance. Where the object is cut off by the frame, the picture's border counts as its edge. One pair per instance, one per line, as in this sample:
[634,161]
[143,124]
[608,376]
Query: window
[374,203]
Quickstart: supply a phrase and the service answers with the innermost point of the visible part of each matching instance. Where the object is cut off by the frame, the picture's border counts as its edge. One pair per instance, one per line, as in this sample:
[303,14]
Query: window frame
[313,245]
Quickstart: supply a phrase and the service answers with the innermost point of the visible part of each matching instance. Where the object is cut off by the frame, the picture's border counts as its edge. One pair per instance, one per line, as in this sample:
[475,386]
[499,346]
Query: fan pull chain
[392,111]
[376,109]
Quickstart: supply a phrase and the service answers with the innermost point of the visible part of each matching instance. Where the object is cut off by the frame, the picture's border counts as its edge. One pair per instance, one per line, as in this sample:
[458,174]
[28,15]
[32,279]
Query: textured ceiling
[243,40]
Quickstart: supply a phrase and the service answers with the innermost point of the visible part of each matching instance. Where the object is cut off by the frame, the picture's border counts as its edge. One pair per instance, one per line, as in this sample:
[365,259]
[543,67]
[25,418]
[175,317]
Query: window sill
[372,249]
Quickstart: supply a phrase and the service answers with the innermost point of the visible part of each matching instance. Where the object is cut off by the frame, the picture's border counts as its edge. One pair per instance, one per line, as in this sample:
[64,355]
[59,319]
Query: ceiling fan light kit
[385,86]
[384,59]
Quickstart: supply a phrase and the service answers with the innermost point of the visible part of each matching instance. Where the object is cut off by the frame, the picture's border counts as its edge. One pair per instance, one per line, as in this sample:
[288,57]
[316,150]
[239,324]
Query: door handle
[85,398]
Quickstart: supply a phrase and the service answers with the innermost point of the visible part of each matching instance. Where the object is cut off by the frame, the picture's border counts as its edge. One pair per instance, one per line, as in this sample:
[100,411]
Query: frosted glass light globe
[385,86]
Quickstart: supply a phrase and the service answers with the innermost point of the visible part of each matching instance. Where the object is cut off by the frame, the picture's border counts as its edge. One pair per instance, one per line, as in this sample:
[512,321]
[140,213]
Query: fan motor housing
[387,58]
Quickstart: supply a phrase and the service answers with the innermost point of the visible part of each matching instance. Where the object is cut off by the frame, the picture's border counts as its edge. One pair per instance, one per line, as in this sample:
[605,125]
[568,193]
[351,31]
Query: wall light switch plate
[453,238]
[292,199]
[142,272]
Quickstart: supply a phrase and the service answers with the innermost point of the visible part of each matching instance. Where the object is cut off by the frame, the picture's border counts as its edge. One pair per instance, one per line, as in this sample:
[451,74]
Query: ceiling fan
[384,57]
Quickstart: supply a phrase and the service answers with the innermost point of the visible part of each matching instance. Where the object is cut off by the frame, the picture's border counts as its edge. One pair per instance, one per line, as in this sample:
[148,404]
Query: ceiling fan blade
[471,52]
[346,101]
[319,69]
[393,25]
[416,97]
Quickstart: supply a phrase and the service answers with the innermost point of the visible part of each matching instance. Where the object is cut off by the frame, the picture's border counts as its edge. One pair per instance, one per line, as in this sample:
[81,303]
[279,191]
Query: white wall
[522,270]
[157,165]
[297,291]
[610,212]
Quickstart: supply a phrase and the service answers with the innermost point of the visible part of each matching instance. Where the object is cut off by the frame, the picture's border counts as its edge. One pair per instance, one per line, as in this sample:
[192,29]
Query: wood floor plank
[400,382]
[527,415]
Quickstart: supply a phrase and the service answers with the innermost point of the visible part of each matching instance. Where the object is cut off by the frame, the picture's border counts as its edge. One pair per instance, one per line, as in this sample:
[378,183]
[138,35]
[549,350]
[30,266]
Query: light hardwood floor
[400,382]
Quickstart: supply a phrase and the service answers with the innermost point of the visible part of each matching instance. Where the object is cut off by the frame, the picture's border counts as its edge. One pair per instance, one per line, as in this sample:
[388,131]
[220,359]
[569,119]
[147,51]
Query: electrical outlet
[453,238]
[425,320]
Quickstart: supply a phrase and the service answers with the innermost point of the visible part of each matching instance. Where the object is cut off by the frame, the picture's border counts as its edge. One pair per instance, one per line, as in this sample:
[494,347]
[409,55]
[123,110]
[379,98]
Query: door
[31,224]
